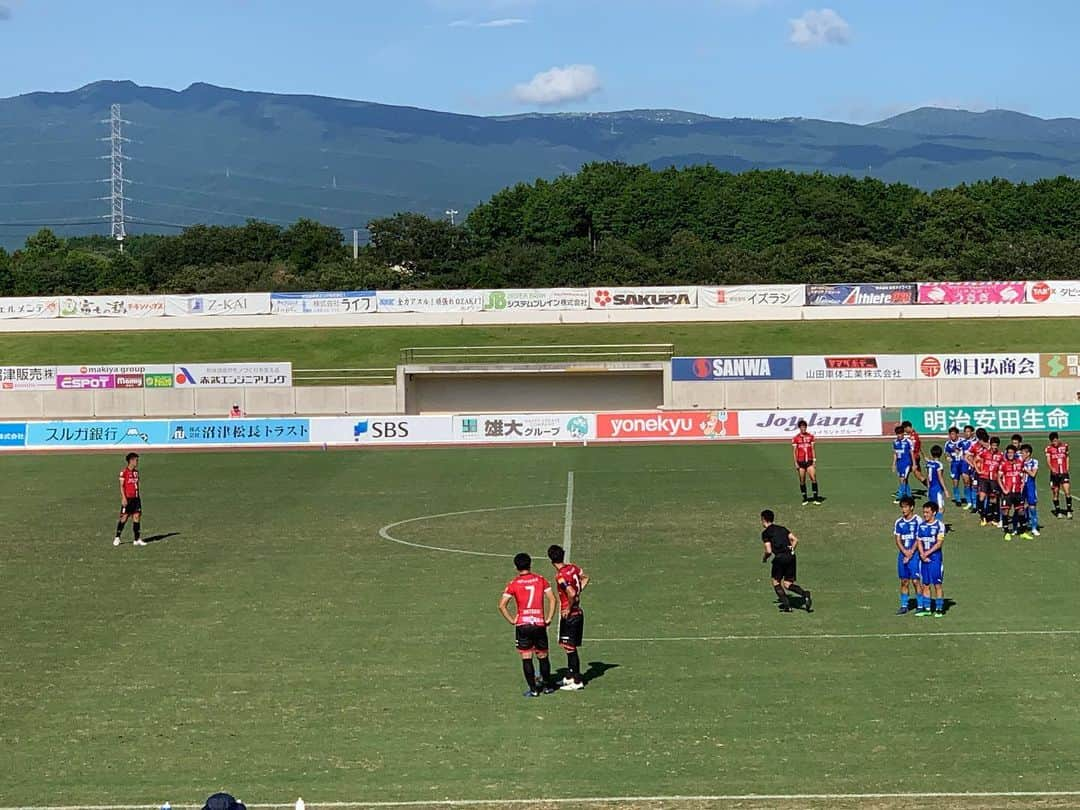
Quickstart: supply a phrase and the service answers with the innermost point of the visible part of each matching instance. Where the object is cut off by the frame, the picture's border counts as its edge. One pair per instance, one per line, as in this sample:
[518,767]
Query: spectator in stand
[235,412]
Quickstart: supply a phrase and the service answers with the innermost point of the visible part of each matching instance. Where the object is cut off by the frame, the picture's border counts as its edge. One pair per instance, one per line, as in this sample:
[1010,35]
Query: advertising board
[213,304]
[1004,418]
[1053,292]
[855,367]
[12,434]
[129,435]
[232,375]
[27,378]
[973,292]
[760,295]
[667,425]
[431,300]
[112,306]
[1059,365]
[524,427]
[238,431]
[977,366]
[711,369]
[392,429]
[12,308]
[642,297]
[555,300]
[90,378]
[855,295]
[836,423]
[323,303]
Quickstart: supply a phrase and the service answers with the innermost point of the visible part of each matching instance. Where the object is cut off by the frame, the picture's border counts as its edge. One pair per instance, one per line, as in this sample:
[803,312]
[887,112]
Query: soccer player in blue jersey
[1031,490]
[967,471]
[907,553]
[903,457]
[954,450]
[930,535]
[935,477]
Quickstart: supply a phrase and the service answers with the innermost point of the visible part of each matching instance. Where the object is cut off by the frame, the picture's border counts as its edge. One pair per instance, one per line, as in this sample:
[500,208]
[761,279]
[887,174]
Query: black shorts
[571,630]
[531,637]
[805,465]
[1057,479]
[988,487]
[783,568]
[132,507]
[1013,499]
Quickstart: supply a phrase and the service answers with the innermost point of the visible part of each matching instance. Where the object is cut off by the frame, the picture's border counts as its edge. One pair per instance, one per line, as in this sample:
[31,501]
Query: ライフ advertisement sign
[1001,418]
[364,430]
[764,295]
[323,303]
[667,426]
[837,423]
[524,427]
[855,367]
[977,366]
[642,297]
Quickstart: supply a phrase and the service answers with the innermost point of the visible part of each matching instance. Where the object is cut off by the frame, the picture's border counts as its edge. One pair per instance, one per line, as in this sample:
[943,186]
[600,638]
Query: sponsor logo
[12,435]
[930,367]
[675,425]
[185,377]
[1041,292]
[685,369]
[861,294]
[380,429]
[850,362]
[858,297]
[84,382]
[157,380]
[130,381]
[790,422]
[602,298]
[578,427]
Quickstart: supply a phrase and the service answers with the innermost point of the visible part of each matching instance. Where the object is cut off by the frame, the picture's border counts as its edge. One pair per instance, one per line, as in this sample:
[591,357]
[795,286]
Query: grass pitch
[275,645]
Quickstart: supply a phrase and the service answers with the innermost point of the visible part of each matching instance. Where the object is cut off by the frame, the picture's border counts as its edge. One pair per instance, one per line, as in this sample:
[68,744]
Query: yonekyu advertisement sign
[712,369]
[1000,418]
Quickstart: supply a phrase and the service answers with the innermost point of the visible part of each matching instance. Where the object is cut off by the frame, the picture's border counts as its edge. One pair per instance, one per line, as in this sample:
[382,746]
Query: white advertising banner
[854,367]
[835,423]
[762,295]
[29,308]
[643,297]
[1053,292]
[217,304]
[112,306]
[382,430]
[518,300]
[232,375]
[978,366]
[27,378]
[323,303]
[431,300]
[524,427]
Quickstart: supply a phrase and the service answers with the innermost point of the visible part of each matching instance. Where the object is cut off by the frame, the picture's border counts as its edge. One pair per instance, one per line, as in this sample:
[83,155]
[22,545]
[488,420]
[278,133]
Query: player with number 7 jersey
[535,607]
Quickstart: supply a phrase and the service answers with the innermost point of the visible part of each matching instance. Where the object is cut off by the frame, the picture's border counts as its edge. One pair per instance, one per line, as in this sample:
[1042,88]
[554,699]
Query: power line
[261,200]
[53,223]
[52,183]
[55,202]
[211,211]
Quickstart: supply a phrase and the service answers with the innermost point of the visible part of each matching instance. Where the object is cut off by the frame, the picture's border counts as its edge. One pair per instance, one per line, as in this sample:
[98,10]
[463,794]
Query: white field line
[587,800]
[384,532]
[568,516]
[814,636]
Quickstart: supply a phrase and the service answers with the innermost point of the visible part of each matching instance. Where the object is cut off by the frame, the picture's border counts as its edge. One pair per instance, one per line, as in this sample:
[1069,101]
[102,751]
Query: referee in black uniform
[780,545]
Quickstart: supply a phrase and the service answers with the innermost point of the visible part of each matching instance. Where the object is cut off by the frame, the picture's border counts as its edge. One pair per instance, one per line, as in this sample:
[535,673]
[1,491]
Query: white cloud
[559,85]
[507,22]
[817,28]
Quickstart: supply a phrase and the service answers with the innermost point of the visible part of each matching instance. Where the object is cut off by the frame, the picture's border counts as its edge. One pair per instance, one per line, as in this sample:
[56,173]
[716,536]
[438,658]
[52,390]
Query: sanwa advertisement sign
[712,369]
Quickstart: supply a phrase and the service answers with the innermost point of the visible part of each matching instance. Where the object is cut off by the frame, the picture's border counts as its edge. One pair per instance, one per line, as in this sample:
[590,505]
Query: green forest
[609,224]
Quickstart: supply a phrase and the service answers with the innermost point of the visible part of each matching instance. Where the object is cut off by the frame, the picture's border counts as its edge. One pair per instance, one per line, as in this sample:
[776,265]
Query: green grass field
[276,646]
[379,347]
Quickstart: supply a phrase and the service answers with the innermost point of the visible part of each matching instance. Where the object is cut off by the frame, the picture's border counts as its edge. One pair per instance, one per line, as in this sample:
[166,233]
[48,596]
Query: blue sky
[852,60]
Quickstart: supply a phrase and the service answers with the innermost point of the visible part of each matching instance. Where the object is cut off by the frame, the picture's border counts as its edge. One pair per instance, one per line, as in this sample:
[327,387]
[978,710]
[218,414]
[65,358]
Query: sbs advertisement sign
[212,304]
[762,295]
[384,429]
[711,369]
[855,367]
[642,297]
[836,423]
[975,366]
[667,426]
[973,292]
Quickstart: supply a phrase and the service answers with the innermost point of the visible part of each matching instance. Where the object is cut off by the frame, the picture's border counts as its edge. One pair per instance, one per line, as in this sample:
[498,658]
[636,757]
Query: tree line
[609,224]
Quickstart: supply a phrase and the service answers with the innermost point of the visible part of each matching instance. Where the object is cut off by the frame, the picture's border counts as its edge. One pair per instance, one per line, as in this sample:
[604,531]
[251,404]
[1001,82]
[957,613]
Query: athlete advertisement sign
[838,423]
[855,367]
[973,292]
[761,295]
[977,366]
[846,295]
[667,425]
[711,369]
[642,297]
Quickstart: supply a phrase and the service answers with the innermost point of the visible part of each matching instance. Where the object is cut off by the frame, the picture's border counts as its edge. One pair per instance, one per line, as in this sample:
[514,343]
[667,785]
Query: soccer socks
[1068,504]
[135,527]
[782,594]
[530,673]
[939,605]
[903,601]
[802,489]
[796,589]
[815,486]
[545,671]
[1033,517]
[573,663]
[120,528]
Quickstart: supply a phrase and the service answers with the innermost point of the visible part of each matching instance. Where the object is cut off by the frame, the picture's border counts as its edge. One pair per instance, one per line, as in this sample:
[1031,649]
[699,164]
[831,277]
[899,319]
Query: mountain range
[217,155]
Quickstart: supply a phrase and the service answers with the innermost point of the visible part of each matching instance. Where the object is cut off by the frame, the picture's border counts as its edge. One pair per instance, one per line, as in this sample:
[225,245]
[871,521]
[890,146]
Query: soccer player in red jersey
[1011,481]
[990,464]
[535,605]
[130,500]
[916,441]
[570,581]
[802,450]
[1057,458]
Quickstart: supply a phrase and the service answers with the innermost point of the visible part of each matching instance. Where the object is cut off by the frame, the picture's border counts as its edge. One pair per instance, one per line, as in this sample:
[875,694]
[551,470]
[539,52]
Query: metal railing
[339,376]
[538,354]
